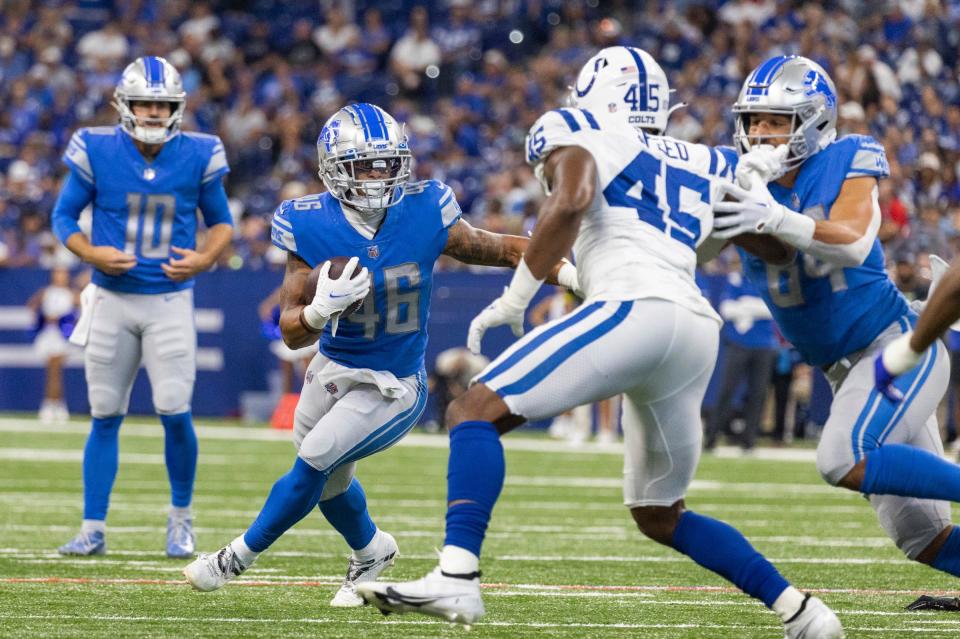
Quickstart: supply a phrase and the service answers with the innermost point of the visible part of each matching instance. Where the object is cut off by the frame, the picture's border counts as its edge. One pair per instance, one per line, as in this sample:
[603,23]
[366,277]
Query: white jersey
[653,207]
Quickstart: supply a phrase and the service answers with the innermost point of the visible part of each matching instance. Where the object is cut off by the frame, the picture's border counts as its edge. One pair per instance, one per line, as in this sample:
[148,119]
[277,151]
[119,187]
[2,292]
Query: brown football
[337,265]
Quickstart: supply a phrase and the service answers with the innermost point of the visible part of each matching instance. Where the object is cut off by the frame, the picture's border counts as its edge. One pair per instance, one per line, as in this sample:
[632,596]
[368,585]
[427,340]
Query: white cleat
[814,620]
[210,572]
[362,571]
[453,598]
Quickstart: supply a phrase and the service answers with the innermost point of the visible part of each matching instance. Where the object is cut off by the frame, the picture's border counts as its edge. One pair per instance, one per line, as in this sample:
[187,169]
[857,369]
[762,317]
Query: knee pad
[338,482]
[171,397]
[834,461]
[106,401]
[319,449]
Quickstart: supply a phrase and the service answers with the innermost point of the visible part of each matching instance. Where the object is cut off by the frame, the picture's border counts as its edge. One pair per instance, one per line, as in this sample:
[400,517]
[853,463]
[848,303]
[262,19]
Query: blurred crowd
[468,78]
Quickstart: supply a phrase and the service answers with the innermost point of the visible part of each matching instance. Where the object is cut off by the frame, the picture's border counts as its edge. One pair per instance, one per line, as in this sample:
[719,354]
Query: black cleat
[926,602]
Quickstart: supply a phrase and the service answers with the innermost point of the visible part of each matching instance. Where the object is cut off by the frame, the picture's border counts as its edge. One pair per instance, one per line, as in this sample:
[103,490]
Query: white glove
[508,309]
[753,211]
[761,164]
[333,296]
[502,311]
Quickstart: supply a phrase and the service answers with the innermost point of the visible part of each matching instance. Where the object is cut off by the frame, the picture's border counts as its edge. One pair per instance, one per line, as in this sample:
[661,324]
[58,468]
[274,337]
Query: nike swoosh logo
[332,296]
[410,601]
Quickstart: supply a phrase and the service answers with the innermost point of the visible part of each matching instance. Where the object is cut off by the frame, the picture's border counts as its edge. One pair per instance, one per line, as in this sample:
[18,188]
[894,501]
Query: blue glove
[883,380]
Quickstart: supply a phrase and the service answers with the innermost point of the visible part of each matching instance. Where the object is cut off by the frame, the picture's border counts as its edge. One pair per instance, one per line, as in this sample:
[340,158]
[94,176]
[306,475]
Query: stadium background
[468,78]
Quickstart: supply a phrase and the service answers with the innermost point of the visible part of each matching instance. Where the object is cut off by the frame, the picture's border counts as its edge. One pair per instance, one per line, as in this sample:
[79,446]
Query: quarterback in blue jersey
[366,388]
[831,297]
[145,180]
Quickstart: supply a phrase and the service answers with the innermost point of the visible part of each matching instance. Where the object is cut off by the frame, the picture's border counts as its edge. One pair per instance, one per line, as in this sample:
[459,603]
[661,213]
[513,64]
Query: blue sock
[898,469]
[100,460]
[721,548]
[292,497]
[347,512]
[474,480]
[948,559]
[180,451]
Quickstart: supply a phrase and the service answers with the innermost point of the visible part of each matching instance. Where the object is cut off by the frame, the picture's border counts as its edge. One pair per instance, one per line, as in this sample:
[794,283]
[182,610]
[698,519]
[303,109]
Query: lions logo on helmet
[356,142]
[795,86]
[150,79]
[624,81]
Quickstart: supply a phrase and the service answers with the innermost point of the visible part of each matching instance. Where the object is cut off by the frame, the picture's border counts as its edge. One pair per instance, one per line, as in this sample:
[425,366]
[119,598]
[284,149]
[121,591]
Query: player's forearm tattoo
[489,249]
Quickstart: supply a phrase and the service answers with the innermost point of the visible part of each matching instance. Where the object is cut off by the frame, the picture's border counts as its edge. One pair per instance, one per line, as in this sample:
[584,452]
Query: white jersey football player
[633,205]
[145,180]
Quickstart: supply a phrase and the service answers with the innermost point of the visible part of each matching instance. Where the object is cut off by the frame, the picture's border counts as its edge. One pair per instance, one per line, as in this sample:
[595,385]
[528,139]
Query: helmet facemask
[147,129]
[347,180]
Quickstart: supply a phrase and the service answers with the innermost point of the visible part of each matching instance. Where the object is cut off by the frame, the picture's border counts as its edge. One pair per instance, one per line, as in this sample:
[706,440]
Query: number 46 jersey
[653,207]
[389,331]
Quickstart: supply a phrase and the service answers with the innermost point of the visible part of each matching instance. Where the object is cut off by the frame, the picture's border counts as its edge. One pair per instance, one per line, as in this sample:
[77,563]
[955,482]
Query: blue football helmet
[150,79]
[358,139]
[795,86]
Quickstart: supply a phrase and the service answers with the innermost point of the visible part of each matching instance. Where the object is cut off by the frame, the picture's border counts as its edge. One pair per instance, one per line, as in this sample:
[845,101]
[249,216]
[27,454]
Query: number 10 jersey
[652,208]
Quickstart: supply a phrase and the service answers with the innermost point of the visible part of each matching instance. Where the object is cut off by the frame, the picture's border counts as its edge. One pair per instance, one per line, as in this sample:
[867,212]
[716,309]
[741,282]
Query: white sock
[458,561]
[788,603]
[93,525]
[370,550]
[180,513]
[243,552]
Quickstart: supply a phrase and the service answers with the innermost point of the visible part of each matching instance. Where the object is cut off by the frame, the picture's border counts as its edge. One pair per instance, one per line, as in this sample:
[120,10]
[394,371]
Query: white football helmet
[364,137]
[795,86]
[150,79]
[624,81]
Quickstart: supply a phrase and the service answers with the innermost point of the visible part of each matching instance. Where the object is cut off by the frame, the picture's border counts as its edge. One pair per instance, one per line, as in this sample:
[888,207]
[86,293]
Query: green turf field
[562,559]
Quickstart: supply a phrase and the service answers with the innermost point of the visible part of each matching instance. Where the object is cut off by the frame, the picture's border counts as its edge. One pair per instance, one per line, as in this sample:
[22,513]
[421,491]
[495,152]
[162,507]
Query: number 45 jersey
[389,331]
[653,207]
[143,208]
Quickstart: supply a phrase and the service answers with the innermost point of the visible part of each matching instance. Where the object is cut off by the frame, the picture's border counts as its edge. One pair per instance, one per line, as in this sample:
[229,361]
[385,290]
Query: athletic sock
[720,547]
[93,525]
[180,451]
[458,561]
[243,552]
[907,471]
[948,559]
[475,474]
[788,604]
[292,497]
[347,512]
[100,461]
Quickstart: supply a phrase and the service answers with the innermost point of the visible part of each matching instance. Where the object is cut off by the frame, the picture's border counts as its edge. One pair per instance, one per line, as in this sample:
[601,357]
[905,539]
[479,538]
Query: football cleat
[181,543]
[455,598]
[210,572]
[362,571]
[926,602]
[85,544]
[814,620]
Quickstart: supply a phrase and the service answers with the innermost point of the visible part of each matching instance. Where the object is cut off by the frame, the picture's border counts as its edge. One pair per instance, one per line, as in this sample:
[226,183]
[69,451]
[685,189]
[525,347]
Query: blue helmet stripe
[381,121]
[641,78]
[764,73]
[154,71]
[363,121]
[373,126]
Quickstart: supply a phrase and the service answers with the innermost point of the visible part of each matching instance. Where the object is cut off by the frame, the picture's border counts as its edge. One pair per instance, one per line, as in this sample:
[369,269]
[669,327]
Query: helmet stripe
[373,124]
[764,73]
[363,121]
[153,69]
[641,78]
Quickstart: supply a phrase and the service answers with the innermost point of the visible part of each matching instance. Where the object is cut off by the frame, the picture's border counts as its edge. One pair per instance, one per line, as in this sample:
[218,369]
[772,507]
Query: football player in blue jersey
[366,388]
[825,284]
[145,179]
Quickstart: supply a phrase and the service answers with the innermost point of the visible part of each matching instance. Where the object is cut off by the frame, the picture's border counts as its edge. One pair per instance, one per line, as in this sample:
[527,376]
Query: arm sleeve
[75,195]
[213,204]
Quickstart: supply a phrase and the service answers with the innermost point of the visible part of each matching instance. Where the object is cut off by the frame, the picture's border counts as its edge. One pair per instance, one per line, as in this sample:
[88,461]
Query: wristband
[567,276]
[522,287]
[898,357]
[795,229]
[307,324]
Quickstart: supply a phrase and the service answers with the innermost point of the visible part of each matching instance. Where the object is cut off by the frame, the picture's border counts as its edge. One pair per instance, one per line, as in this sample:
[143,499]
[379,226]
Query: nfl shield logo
[373,252]
[331,388]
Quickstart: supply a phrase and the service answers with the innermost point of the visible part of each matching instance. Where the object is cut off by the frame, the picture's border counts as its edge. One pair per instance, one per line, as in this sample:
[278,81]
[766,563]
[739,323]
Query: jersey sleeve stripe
[713,161]
[217,164]
[447,194]
[592,121]
[282,223]
[449,213]
[569,119]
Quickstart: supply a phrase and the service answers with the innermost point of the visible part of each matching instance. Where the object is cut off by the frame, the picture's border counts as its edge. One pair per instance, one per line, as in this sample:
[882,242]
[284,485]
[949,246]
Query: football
[337,264]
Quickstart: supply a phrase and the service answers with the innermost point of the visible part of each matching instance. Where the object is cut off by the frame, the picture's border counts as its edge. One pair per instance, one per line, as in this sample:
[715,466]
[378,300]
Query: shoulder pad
[868,157]
[76,156]
[101,130]
[555,129]
[436,193]
[281,228]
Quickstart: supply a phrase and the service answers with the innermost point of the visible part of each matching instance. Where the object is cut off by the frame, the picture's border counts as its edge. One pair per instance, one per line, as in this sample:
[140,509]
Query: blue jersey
[144,207]
[389,331]
[828,312]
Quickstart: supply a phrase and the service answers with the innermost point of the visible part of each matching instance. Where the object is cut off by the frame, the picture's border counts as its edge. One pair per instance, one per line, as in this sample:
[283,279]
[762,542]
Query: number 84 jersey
[143,208]
[389,331]
[654,206]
